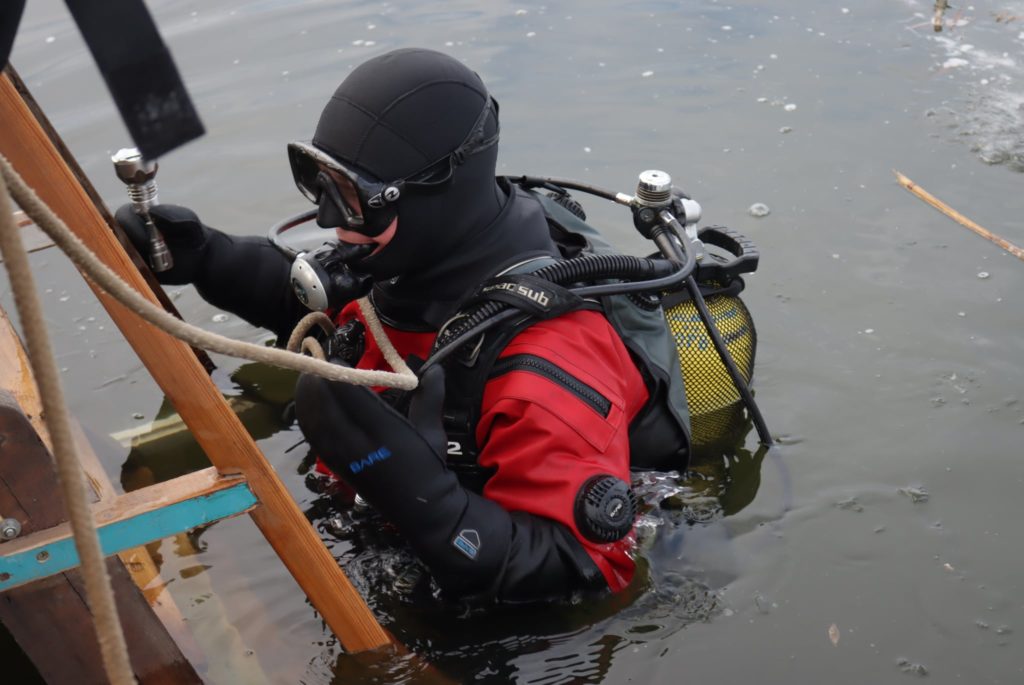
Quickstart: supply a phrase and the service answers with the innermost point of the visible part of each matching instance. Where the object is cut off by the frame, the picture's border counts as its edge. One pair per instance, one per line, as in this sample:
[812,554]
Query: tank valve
[655,196]
[654,189]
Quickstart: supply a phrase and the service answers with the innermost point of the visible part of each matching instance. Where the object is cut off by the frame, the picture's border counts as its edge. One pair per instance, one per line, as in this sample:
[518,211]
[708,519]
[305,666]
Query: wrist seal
[605,509]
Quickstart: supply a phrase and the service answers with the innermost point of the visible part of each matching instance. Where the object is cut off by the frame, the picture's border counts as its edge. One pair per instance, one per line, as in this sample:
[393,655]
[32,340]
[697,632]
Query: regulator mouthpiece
[322,280]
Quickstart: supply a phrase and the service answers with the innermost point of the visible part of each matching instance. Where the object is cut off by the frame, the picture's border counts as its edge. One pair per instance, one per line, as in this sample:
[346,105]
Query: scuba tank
[711,394]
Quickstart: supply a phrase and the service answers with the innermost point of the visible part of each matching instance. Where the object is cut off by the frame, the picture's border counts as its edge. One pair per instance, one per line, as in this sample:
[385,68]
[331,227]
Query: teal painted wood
[60,555]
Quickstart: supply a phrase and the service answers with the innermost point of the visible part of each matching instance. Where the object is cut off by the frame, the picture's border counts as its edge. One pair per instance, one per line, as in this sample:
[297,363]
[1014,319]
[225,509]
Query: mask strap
[473,143]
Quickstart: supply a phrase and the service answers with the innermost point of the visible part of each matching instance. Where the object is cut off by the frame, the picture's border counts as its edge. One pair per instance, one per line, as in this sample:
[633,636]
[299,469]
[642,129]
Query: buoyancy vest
[659,434]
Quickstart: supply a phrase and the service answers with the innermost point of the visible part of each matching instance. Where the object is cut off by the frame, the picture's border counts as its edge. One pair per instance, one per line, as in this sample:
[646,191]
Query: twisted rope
[98,591]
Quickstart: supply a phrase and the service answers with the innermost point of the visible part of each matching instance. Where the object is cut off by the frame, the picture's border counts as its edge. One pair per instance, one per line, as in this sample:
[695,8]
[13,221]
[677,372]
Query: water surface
[890,349]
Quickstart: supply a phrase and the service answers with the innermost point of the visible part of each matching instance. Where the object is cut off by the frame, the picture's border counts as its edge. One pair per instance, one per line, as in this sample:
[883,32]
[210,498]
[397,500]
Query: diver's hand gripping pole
[139,175]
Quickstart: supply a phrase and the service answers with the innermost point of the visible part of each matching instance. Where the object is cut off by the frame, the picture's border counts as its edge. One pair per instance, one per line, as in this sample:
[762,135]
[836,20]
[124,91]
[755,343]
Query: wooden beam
[50,619]
[16,377]
[185,382]
[128,521]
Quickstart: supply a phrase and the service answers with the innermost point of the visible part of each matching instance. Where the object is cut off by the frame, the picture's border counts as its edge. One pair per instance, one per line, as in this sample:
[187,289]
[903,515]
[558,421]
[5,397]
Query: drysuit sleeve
[249,277]
[555,417]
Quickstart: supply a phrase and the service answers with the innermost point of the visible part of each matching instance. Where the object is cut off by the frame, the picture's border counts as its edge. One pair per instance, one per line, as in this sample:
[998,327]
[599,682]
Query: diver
[507,470]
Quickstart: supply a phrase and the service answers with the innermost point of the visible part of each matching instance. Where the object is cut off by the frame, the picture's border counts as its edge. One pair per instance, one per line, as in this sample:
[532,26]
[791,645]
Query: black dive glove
[473,547]
[185,235]
[246,276]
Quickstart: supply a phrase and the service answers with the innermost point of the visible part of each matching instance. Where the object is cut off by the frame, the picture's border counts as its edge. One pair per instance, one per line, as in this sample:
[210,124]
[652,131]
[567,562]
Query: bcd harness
[659,327]
[659,435]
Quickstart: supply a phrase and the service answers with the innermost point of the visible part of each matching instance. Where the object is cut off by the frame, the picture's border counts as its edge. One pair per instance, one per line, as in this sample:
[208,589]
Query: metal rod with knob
[139,175]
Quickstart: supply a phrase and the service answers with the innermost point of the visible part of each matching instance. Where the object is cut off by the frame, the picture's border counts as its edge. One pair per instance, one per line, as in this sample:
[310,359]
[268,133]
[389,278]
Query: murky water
[889,367]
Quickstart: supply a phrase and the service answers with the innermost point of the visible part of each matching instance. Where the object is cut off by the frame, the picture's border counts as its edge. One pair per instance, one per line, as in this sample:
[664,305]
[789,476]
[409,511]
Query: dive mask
[351,199]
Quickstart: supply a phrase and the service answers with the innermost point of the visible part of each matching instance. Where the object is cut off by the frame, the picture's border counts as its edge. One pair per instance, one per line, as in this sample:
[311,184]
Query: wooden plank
[27,475]
[171,426]
[16,376]
[52,551]
[53,626]
[185,382]
[51,617]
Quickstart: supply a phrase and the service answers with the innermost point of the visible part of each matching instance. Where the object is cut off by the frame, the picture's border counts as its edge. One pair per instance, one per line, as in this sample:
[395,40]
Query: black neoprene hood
[401,111]
[393,116]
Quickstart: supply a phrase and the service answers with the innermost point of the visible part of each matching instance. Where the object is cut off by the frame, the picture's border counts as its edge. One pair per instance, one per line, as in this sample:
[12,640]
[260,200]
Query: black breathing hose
[588,267]
[723,353]
[559,185]
[466,334]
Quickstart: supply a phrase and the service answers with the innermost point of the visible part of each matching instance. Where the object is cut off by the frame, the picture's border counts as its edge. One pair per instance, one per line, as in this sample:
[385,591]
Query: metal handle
[139,175]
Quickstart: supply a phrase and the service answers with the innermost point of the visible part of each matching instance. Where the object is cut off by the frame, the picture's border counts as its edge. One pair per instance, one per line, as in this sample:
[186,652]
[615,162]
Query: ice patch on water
[997,122]
[984,56]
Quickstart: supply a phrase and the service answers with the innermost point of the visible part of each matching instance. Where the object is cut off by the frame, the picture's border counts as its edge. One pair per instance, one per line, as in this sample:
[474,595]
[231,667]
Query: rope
[53,226]
[98,591]
[299,342]
[377,331]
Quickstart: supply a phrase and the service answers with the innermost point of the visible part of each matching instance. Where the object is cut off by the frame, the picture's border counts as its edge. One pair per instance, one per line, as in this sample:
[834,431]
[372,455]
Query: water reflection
[164,448]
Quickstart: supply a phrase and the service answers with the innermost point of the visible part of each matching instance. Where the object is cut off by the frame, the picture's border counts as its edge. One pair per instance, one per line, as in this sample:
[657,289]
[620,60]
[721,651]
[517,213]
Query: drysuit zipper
[545,369]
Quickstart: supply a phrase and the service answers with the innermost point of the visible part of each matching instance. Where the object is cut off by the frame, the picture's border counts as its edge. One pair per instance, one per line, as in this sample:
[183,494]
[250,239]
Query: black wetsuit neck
[423,299]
